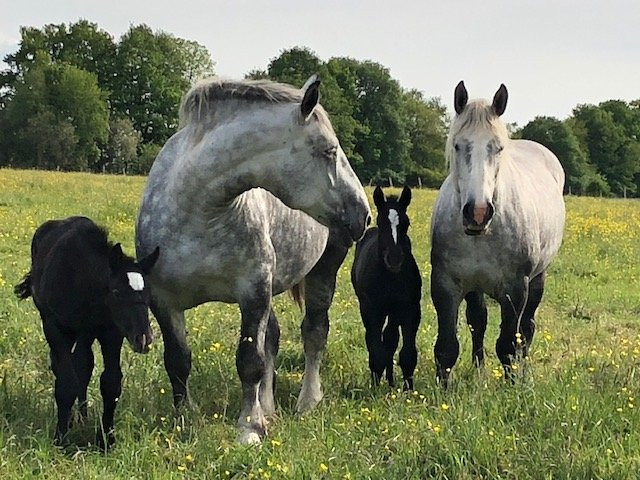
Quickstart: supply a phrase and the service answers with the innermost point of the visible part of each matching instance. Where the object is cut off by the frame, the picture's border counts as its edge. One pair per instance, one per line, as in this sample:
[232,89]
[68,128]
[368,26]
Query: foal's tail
[297,294]
[23,289]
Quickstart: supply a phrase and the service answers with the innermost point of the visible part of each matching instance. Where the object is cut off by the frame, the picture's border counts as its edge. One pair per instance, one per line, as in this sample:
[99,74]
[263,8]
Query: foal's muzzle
[476,217]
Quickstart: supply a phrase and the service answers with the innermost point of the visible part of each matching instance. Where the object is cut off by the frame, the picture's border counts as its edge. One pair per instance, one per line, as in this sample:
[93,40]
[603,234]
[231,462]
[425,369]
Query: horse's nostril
[368,221]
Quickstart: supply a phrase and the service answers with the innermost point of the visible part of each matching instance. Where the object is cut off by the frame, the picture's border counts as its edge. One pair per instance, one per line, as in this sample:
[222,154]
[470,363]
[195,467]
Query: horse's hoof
[249,437]
[307,402]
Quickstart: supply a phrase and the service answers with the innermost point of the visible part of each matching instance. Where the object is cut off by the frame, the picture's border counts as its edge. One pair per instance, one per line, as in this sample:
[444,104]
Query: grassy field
[574,415]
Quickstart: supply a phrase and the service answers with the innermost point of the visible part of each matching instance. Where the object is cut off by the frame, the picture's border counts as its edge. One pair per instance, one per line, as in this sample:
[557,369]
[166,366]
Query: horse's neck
[221,163]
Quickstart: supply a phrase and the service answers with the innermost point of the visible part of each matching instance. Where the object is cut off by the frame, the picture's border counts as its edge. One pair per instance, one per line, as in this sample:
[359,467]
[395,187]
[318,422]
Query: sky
[551,54]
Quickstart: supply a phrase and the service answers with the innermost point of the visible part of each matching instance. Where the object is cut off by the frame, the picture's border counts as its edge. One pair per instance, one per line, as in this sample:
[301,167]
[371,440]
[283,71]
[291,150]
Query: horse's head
[312,173]
[475,149]
[128,296]
[393,224]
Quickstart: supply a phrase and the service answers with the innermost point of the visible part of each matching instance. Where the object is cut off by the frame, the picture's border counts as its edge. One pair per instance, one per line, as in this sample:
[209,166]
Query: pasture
[573,413]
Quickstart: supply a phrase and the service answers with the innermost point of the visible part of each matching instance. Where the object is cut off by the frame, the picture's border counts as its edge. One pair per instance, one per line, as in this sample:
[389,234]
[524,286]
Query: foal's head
[128,296]
[475,148]
[393,224]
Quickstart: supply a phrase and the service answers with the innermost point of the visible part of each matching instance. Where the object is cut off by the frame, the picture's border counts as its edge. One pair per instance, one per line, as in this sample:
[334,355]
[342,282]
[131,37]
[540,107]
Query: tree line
[74,98]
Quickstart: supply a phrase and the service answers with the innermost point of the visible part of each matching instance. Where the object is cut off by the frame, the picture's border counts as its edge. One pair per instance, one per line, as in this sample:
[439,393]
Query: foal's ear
[499,104]
[460,97]
[311,96]
[378,197]
[405,197]
[115,257]
[147,263]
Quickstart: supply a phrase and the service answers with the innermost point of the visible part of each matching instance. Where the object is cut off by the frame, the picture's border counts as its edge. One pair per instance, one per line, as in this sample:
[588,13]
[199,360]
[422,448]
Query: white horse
[496,226]
[225,201]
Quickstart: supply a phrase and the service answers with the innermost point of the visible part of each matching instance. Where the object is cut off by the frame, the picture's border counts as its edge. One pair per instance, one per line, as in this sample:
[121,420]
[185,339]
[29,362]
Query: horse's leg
[110,384]
[177,355]
[527,324]
[83,362]
[511,308]
[268,383]
[66,384]
[373,319]
[446,297]
[390,339]
[409,353]
[477,321]
[255,309]
[320,284]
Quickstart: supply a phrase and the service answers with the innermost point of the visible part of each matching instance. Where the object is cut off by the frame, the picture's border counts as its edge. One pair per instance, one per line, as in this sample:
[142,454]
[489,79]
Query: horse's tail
[23,289]
[297,294]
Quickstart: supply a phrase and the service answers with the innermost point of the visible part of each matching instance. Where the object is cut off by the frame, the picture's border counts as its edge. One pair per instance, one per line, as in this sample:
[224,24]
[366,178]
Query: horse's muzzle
[140,343]
[476,218]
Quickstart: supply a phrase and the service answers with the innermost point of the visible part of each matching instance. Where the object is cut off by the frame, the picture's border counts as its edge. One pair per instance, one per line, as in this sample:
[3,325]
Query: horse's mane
[201,99]
[477,114]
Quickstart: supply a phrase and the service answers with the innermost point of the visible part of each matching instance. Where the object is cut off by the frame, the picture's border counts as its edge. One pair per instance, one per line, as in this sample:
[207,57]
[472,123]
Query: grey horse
[250,198]
[496,226]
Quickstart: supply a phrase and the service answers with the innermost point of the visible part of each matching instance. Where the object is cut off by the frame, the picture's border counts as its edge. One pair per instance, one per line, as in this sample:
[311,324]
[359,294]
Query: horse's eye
[457,147]
[330,152]
[499,148]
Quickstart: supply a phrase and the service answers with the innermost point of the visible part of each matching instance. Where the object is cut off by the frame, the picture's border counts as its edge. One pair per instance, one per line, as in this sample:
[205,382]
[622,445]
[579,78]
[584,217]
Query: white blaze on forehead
[135,281]
[394,220]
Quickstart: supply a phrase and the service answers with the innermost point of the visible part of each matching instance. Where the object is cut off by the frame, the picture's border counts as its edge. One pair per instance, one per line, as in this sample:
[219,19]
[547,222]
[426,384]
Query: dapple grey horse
[496,226]
[251,197]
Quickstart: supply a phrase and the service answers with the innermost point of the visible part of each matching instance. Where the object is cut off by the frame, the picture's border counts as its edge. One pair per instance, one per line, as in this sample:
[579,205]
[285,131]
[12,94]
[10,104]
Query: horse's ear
[378,197]
[405,197]
[311,96]
[460,97]
[147,263]
[499,104]
[116,256]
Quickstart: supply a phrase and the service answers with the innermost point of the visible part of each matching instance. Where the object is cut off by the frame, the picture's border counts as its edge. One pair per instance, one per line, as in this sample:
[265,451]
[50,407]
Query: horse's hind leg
[268,383]
[527,324]
[177,355]
[250,361]
[320,284]
[446,297]
[477,320]
[83,363]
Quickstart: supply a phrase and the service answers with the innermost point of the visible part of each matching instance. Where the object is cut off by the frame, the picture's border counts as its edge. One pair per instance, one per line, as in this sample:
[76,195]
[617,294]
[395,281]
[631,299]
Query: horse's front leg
[477,320]
[66,387]
[255,308]
[512,305]
[110,384]
[446,297]
[83,363]
[320,285]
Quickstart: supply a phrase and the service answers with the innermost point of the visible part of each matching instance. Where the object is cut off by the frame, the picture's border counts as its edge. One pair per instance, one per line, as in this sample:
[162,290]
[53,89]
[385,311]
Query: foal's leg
[250,361]
[477,321]
[390,340]
[66,383]
[409,353]
[268,383]
[446,298]
[177,355]
[512,309]
[527,324]
[320,284]
[110,384]
[373,319]
[83,363]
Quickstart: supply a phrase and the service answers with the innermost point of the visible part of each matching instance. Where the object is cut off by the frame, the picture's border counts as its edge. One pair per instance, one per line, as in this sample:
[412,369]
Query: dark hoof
[105,441]
[407,384]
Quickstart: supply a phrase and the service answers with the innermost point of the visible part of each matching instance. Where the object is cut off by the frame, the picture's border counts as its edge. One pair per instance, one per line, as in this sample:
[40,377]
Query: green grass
[573,414]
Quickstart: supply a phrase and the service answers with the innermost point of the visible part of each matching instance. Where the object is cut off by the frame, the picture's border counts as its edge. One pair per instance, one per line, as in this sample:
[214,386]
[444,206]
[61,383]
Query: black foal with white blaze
[387,281]
[86,289]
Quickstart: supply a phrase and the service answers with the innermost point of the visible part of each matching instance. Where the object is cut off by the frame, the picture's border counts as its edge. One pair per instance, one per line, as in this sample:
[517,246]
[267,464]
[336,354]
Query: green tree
[56,107]
[120,152]
[557,136]
[612,152]
[427,128]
